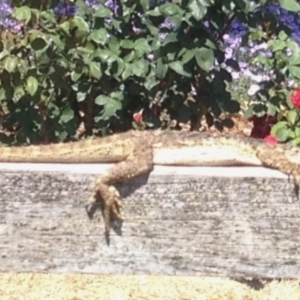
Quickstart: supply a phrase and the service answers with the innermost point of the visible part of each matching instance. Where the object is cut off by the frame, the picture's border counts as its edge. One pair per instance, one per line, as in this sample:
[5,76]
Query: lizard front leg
[138,162]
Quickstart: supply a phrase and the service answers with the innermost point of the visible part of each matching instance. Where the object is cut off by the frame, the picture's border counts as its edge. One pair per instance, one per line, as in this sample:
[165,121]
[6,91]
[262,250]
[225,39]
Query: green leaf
[188,55]
[117,68]
[107,56]
[18,93]
[197,9]
[154,12]
[291,5]
[129,57]
[99,36]
[205,58]
[283,134]
[291,133]
[67,115]
[31,85]
[277,45]
[81,96]
[65,26]
[297,132]
[114,46]
[169,9]
[161,69]
[295,71]
[145,5]
[103,100]
[152,29]
[10,63]
[171,56]
[279,125]
[38,44]
[151,82]
[142,45]
[272,110]
[155,45]
[296,141]
[140,68]
[282,36]
[171,38]
[75,76]
[178,68]
[80,23]
[119,95]
[104,55]
[95,69]
[292,116]
[127,71]
[117,24]
[110,106]
[210,44]
[103,12]
[127,44]
[176,20]
[295,58]
[84,50]
[289,101]
[22,13]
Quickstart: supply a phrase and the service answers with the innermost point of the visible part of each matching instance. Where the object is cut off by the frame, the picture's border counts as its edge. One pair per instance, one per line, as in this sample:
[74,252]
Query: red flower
[138,117]
[295,97]
[271,140]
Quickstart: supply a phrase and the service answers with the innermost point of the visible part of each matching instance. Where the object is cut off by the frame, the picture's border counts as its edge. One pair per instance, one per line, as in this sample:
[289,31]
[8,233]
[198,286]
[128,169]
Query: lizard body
[136,152]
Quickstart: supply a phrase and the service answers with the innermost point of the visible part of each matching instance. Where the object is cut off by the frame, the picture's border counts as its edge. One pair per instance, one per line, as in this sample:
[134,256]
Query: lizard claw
[296,179]
[91,207]
[110,207]
[108,198]
[90,211]
[111,212]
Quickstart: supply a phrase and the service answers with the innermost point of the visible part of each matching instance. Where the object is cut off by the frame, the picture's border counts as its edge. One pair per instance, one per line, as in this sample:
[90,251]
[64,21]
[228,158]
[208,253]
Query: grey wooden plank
[180,223]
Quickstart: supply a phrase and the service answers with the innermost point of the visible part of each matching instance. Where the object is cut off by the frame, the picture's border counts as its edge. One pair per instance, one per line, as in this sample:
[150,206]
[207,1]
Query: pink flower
[295,97]
[138,117]
[271,140]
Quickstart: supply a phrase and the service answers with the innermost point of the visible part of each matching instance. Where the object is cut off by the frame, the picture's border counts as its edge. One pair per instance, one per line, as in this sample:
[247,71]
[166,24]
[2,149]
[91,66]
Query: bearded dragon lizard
[136,152]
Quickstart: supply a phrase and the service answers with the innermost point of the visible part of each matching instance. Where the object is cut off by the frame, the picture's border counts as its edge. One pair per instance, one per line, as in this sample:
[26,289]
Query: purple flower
[165,27]
[5,20]
[237,28]
[167,24]
[162,36]
[64,9]
[93,4]
[254,88]
[112,4]
[151,57]
[9,23]
[5,8]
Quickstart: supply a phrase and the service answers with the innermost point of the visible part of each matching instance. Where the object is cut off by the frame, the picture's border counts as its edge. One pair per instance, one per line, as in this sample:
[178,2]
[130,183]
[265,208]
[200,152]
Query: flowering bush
[269,56]
[99,63]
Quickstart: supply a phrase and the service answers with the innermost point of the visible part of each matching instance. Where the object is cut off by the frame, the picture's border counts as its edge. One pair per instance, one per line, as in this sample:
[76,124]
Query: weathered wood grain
[179,221]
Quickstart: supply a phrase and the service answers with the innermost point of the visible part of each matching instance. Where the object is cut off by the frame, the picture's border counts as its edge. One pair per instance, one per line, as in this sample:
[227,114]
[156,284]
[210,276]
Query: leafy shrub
[66,63]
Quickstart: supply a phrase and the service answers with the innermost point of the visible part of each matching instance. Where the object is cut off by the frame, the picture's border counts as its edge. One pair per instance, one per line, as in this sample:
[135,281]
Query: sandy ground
[79,287]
